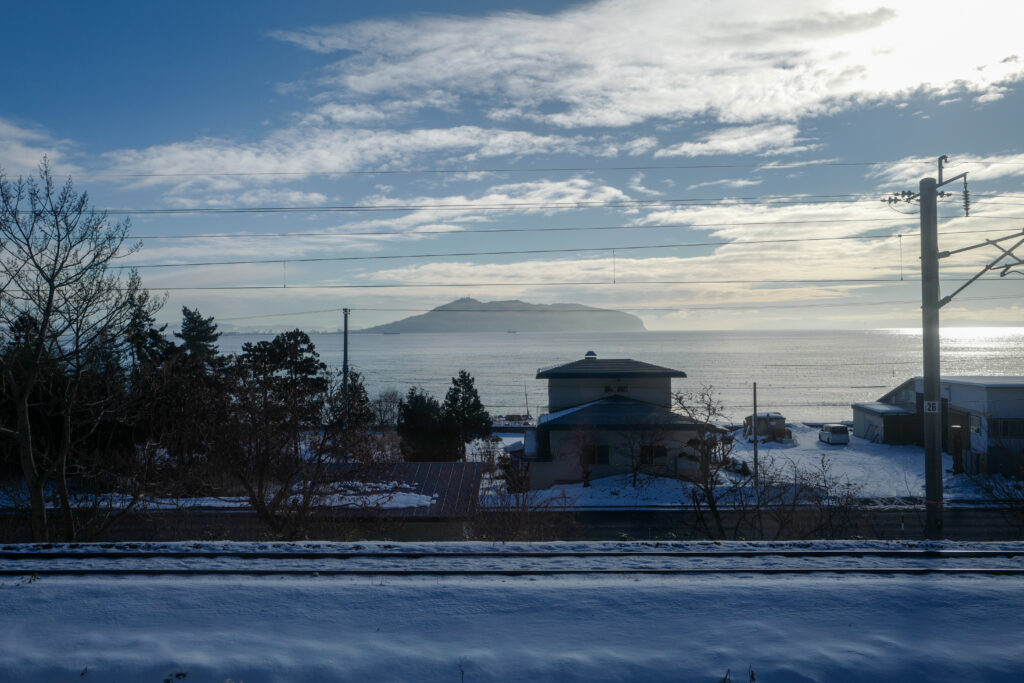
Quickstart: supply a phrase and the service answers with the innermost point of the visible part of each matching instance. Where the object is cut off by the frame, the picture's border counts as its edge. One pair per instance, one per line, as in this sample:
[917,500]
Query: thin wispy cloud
[738,182]
[759,139]
[22,147]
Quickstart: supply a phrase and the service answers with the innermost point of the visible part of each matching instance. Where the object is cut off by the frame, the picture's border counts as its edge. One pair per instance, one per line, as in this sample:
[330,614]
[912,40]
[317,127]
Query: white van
[834,434]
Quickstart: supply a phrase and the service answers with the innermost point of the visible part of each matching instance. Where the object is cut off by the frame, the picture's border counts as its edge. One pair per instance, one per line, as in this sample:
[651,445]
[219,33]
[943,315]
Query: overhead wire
[508,252]
[786,200]
[471,231]
[666,309]
[553,169]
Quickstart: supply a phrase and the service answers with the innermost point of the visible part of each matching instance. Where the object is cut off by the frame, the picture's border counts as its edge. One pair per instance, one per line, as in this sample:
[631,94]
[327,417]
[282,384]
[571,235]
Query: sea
[807,375]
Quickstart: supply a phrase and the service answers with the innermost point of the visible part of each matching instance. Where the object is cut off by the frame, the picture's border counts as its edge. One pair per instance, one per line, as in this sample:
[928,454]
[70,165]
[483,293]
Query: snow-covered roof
[991,381]
[1002,381]
[880,408]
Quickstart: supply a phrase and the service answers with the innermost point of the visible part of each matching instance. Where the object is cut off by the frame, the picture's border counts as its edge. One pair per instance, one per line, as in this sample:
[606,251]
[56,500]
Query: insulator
[967,199]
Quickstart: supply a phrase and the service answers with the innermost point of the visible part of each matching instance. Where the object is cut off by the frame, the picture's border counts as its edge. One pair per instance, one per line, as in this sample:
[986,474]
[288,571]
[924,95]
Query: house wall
[568,392]
[890,429]
[564,466]
[975,407]
[868,425]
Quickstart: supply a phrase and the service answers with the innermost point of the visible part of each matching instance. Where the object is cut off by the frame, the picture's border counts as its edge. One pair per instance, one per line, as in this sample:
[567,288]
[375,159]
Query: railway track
[347,555]
[512,563]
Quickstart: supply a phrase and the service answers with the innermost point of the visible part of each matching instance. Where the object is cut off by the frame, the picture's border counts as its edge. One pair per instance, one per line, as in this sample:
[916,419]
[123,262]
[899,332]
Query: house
[607,416]
[982,421]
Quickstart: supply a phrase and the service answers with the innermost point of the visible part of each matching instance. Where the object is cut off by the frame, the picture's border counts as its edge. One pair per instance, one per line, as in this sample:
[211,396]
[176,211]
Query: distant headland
[469,315]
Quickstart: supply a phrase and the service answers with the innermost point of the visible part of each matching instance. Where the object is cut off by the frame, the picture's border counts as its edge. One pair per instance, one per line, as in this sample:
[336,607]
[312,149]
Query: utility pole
[1006,263]
[753,429]
[344,358]
[757,469]
[930,341]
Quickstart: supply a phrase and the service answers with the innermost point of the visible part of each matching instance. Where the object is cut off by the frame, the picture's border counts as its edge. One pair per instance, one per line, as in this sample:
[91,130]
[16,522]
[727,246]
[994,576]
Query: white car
[834,434]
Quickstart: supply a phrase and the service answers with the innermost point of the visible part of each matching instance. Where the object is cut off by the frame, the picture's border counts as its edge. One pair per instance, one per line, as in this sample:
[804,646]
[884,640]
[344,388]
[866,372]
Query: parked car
[834,434]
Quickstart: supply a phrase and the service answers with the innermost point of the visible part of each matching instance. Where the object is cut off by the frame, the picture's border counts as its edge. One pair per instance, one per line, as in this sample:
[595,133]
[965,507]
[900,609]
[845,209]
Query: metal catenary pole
[930,341]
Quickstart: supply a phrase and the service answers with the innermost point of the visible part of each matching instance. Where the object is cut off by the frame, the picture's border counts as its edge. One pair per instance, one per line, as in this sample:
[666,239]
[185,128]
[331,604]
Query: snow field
[580,628]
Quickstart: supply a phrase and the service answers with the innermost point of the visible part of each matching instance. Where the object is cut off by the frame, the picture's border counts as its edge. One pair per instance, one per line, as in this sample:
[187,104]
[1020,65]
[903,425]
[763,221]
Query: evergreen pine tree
[463,409]
[198,335]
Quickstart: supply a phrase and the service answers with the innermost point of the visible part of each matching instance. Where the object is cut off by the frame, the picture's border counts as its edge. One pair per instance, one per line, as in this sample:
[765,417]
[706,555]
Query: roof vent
[590,355]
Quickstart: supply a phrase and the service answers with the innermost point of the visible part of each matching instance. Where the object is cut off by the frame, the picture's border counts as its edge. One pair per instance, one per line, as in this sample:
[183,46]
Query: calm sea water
[806,375]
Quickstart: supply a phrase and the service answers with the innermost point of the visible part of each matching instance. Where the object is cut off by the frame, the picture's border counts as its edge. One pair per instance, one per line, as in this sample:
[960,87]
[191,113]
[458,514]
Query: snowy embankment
[581,628]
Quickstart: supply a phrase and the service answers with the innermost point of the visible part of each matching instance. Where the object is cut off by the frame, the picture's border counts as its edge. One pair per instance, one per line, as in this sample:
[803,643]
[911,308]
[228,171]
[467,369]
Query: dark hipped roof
[607,367]
[616,412]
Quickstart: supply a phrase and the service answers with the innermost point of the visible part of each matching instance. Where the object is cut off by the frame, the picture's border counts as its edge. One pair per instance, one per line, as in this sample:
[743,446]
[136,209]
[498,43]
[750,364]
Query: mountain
[470,315]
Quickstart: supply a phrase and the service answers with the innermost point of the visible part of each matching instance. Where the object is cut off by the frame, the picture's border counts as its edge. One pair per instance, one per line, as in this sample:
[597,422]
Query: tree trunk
[28,468]
[62,478]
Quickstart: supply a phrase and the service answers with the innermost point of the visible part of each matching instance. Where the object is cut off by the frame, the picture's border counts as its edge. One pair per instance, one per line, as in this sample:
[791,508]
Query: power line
[506,252]
[413,233]
[554,169]
[504,206]
[577,283]
[656,226]
[666,309]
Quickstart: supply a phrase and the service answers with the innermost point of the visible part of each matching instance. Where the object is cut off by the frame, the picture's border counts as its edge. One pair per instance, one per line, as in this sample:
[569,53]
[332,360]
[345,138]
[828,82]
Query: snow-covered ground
[879,471]
[583,628]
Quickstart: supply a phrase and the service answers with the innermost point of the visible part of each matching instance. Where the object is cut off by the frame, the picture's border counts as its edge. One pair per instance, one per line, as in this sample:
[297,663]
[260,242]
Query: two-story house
[606,416]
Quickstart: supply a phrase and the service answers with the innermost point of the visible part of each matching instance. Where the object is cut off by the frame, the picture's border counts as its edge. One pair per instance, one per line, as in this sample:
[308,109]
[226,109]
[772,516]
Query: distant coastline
[468,315]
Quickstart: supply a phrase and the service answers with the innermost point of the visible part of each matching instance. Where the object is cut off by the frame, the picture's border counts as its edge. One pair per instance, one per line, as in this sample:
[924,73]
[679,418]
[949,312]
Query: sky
[704,165]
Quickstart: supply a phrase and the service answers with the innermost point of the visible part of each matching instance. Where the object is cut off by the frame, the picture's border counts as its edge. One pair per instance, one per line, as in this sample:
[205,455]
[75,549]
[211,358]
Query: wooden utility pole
[757,468]
[753,429]
[344,357]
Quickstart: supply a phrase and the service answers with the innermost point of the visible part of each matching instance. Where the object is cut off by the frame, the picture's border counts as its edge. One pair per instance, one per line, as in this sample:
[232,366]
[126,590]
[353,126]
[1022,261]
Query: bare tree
[579,445]
[709,484]
[385,407]
[62,306]
[643,443]
[509,513]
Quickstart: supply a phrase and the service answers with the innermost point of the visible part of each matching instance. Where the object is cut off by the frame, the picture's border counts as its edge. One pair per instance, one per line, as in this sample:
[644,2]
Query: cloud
[439,215]
[621,62]
[22,148]
[909,170]
[636,183]
[254,197]
[307,148]
[739,182]
[762,138]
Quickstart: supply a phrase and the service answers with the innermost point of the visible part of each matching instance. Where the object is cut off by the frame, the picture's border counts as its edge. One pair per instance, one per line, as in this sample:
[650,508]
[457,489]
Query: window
[608,388]
[597,454]
[650,452]
[976,424]
[621,389]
